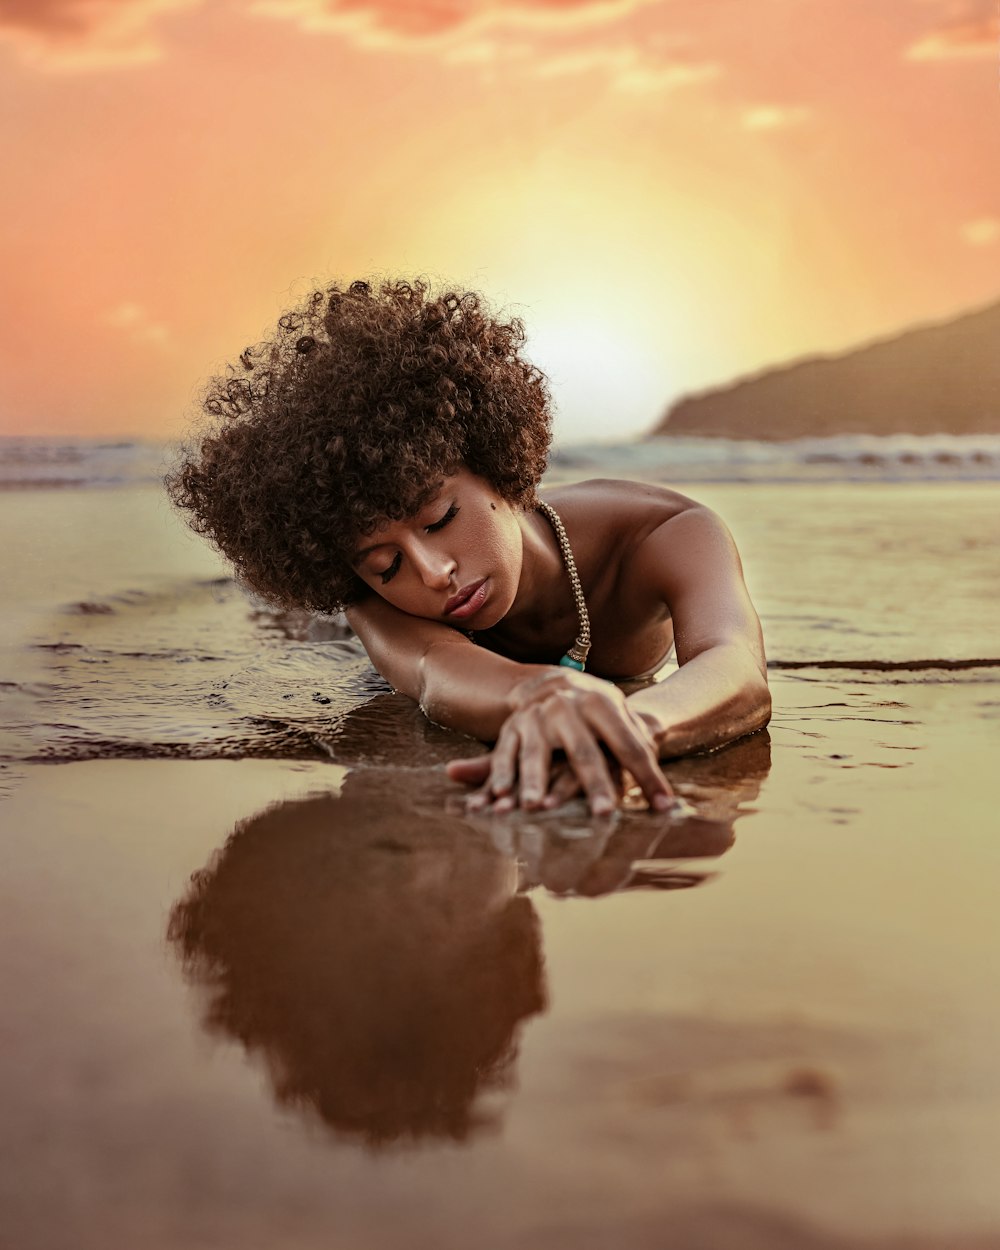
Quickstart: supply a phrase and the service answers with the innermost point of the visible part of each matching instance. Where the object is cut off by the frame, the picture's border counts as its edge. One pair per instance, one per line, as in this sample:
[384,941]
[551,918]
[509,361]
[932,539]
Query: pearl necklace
[576,656]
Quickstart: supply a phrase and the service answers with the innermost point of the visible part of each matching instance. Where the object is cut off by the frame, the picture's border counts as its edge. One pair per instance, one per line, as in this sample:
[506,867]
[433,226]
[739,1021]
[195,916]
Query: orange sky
[670,195]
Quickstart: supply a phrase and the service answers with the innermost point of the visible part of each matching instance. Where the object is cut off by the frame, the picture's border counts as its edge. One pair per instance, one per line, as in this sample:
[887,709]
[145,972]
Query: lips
[468,601]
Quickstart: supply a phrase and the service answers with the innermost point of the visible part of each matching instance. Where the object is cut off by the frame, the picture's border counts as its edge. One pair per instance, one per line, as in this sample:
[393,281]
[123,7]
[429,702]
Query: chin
[495,611]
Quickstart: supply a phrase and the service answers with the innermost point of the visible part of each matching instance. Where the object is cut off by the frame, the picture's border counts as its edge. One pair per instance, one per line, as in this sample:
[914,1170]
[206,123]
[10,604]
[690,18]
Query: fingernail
[601,805]
[662,802]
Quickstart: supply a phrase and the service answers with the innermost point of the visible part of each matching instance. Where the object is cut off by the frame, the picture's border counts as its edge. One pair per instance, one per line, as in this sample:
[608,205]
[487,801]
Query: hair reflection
[373,950]
[376,958]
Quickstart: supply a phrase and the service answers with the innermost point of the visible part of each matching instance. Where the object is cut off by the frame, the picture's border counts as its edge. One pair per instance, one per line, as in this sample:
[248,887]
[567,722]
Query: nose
[436,568]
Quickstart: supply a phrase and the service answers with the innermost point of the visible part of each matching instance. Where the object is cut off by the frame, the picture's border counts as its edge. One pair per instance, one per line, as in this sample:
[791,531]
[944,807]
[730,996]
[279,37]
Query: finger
[479,799]
[630,743]
[503,762]
[471,772]
[534,763]
[494,764]
[566,786]
[588,762]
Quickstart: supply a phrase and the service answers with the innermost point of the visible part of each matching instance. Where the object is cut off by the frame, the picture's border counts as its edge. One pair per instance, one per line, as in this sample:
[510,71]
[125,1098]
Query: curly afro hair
[350,416]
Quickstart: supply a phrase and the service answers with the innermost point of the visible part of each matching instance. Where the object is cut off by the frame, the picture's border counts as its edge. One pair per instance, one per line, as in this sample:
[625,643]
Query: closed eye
[388,574]
[448,516]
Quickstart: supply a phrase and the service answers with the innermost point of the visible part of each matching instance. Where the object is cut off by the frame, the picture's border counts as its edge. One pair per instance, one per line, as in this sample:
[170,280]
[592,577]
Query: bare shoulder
[661,542]
[617,508]
[646,544]
[666,550]
[688,546]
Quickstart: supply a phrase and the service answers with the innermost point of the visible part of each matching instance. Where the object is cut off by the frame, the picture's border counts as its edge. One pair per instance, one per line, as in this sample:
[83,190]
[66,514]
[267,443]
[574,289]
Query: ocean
[32,463]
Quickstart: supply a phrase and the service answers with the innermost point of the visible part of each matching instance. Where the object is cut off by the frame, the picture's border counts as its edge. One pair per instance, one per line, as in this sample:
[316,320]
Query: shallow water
[146,648]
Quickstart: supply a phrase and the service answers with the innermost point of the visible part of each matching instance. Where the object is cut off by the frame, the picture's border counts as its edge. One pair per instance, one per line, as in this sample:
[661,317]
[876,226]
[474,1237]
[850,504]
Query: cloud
[774,117]
[79,35]
[76,35]
[628,68]
[489,33]
[134,321]
[973,38]
[410,25]
[981,232]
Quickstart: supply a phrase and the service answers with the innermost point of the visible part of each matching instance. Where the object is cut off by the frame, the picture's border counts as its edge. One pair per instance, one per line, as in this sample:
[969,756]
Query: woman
[382,453]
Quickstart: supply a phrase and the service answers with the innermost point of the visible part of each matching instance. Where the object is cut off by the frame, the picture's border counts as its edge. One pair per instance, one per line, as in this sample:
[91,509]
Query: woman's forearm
[717,696]
[471,689]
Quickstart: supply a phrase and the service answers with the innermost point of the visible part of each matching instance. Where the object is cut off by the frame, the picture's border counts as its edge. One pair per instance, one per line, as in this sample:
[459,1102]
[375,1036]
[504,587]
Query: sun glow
[606,387]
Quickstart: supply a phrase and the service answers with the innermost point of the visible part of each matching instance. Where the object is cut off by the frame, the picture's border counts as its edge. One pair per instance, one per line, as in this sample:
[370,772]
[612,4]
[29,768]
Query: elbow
[432,695]
[749,703]
[757,699]
[747,711]
[760,702]
[448,696]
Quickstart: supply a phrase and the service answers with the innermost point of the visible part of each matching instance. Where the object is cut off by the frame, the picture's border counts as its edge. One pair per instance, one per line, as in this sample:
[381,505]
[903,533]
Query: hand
[564,784]
[582,717]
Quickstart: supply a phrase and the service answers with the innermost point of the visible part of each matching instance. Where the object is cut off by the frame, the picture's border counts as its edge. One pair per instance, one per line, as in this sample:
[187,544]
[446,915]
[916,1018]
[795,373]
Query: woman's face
[457,561]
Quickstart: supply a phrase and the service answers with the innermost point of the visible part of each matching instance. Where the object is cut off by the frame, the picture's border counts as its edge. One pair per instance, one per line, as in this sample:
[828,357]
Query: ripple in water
[192,671]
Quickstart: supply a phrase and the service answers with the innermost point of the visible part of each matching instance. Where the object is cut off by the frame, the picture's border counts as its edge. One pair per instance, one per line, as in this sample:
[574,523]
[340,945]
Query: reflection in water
[372,948]
[375,956]
[568,851]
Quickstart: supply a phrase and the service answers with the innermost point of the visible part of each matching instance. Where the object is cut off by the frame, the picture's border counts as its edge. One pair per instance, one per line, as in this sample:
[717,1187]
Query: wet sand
[306,1002]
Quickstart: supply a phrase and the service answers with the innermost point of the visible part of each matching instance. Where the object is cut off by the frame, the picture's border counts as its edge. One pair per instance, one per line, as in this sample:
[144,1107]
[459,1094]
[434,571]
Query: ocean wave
[850,458]
[46,464]
[189,668]
[27,464]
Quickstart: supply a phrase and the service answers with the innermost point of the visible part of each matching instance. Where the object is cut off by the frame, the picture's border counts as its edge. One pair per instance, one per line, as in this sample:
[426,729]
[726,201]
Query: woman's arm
[469,688]
[719,691]
[456,683]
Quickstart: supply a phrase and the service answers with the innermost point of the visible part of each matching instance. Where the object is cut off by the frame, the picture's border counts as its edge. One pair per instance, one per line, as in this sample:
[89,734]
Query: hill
[935,379]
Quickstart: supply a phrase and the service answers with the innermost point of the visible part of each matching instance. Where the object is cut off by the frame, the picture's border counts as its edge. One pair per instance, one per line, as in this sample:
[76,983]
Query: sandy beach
[266,983]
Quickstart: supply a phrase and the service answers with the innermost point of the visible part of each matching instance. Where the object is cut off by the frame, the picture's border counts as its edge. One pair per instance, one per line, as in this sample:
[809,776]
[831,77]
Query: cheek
[502,546]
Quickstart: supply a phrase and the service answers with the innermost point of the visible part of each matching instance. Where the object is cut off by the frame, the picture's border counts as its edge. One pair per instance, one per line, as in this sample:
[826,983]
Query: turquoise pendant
[568,662]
